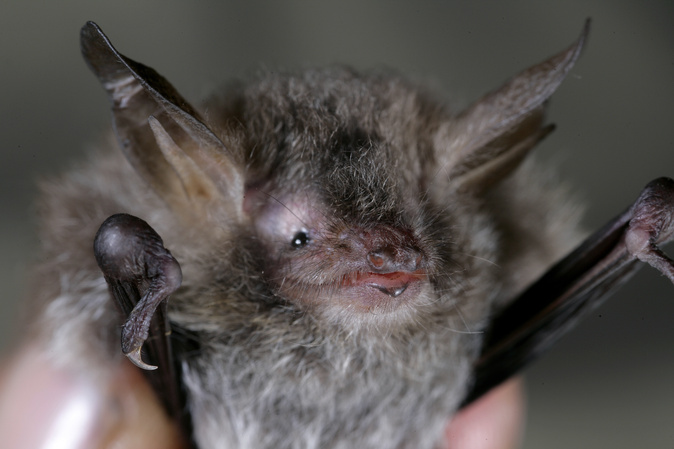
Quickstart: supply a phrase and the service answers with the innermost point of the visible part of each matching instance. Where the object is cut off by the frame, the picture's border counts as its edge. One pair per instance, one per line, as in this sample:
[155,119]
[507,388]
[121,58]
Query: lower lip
[393,285]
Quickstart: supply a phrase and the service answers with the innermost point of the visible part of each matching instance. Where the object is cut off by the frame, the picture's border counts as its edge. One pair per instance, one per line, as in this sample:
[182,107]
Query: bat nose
[390,259]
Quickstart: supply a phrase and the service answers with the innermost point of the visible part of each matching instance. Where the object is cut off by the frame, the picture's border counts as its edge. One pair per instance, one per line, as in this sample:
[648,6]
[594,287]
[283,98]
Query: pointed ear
[161,135]
[490,138]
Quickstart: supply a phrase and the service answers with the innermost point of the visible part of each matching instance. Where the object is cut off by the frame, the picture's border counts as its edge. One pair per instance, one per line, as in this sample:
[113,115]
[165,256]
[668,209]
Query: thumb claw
[136,358]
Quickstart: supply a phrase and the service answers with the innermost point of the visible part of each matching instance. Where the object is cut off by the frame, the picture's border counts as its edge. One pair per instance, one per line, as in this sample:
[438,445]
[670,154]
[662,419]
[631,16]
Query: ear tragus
[161,135]
[198,188]
[491,137]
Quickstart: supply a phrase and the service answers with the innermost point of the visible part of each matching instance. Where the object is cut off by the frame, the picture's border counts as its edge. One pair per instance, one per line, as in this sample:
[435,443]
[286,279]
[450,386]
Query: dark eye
[300,239]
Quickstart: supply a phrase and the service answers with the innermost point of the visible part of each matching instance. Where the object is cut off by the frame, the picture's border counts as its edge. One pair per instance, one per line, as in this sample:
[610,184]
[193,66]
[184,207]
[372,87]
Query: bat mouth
[360,292]
[368,291]
[391,284]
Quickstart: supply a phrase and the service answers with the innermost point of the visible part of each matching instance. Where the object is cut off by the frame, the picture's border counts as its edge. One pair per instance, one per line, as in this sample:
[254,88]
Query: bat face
[342,239]
[338,198]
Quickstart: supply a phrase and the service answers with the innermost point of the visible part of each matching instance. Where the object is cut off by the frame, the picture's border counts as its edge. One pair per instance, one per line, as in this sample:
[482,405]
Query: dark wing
[551,306]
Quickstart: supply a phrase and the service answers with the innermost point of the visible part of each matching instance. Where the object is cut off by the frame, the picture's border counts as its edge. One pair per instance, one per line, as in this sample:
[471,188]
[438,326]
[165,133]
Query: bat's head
[337,172]
[358,195]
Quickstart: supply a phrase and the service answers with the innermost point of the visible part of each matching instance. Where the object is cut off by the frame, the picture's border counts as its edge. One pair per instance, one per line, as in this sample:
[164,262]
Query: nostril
[383,259]
[376,260]
[388,260]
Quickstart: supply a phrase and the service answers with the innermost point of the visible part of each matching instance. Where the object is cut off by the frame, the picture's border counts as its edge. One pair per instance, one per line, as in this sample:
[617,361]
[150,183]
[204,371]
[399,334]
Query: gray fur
[348,151]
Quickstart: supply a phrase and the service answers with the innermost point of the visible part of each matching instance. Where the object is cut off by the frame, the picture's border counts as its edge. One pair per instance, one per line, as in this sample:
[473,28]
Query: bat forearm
[580,282]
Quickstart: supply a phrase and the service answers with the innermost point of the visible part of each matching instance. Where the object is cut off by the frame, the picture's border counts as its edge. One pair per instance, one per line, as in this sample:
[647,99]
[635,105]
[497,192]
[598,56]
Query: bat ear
[492,137]
[161,135]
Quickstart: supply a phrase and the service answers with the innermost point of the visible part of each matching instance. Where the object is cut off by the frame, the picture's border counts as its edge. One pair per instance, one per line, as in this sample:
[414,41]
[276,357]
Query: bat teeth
[393,292]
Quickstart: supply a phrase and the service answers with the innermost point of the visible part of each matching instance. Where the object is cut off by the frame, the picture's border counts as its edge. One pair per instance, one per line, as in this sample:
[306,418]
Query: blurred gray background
[610,383]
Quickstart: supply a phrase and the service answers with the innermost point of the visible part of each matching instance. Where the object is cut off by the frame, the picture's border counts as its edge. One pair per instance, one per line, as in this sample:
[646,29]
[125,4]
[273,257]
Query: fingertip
[43,407]
[142,422]
[495,421]
[47,407]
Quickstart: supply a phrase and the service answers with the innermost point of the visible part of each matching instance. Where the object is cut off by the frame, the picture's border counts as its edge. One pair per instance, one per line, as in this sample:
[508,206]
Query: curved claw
[136,358]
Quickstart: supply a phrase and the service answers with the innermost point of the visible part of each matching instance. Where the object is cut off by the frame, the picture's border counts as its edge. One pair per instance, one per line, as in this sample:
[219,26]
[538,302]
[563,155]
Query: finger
[495,421]
[43,406]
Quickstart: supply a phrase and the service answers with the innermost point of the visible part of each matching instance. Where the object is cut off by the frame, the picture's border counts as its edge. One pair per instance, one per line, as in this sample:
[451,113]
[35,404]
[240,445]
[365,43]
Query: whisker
[469,331]
[491,262]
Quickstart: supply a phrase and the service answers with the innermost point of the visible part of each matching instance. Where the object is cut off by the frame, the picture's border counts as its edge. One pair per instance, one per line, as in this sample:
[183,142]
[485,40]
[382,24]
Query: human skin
[495,421]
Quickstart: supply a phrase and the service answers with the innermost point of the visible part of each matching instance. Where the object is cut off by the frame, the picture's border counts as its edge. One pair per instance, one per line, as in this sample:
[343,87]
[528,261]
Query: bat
[348,259]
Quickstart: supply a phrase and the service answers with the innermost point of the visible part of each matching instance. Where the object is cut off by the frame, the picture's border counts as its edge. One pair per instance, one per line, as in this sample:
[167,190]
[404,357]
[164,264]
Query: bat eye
[300,239]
